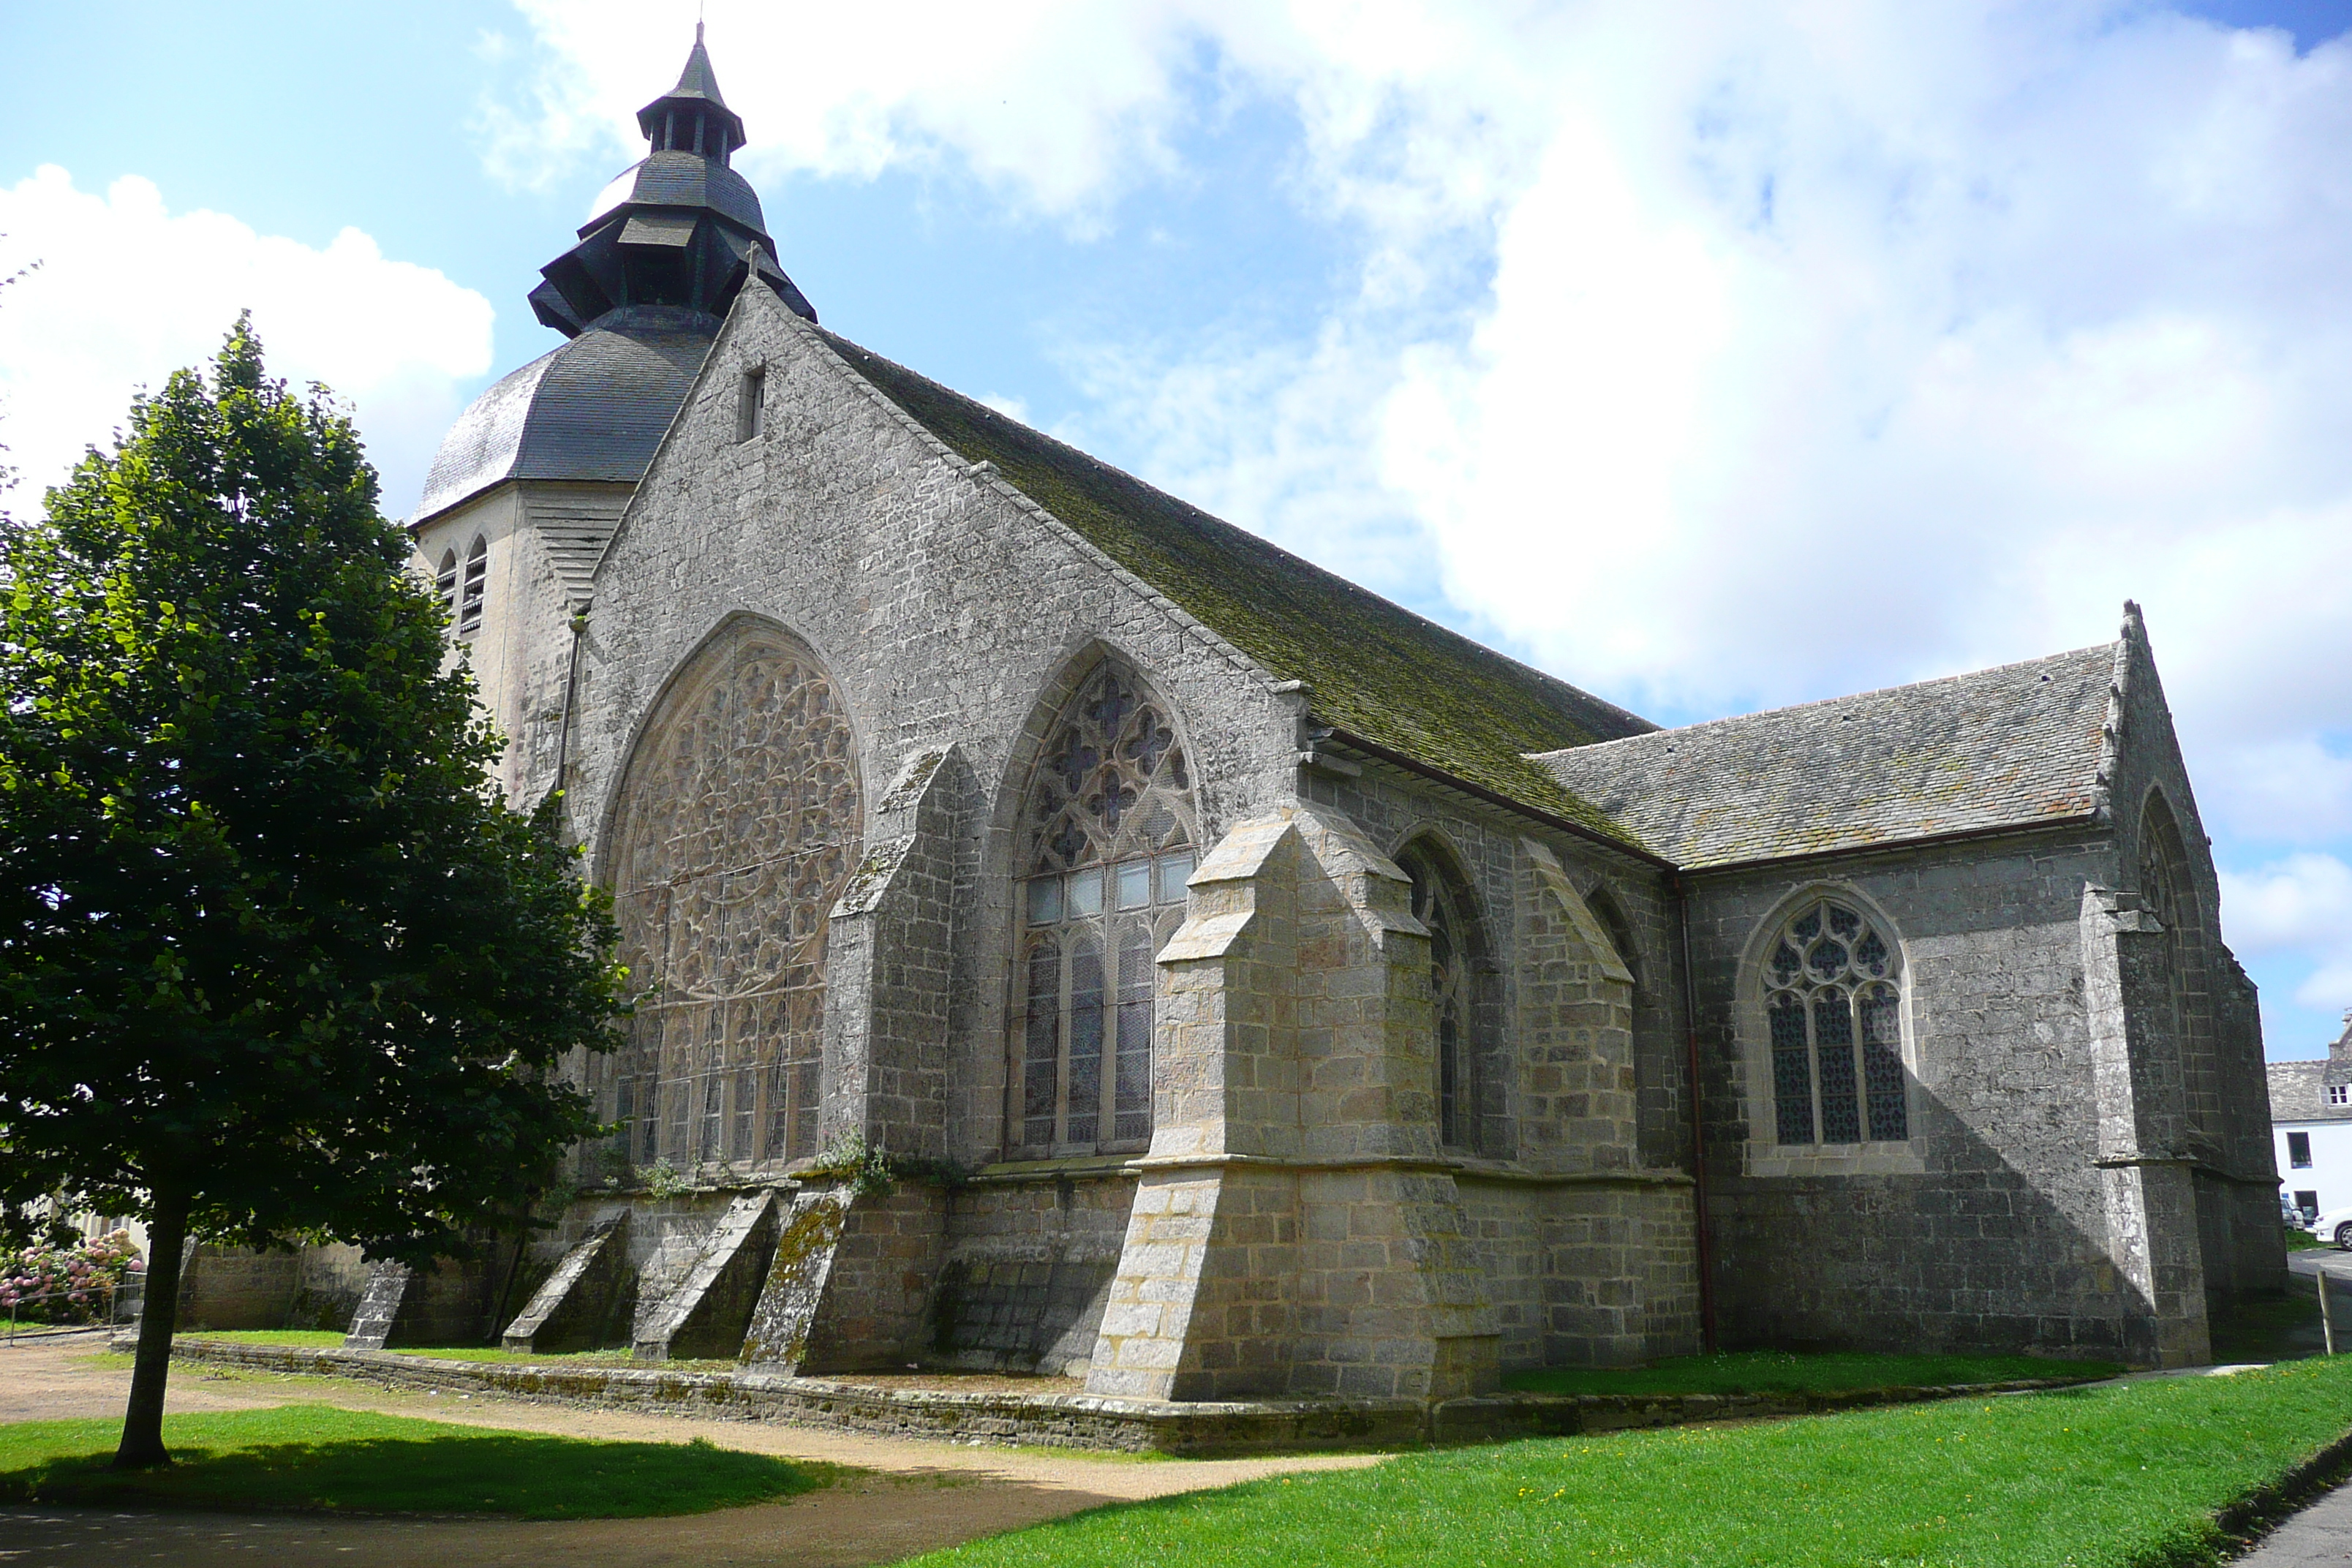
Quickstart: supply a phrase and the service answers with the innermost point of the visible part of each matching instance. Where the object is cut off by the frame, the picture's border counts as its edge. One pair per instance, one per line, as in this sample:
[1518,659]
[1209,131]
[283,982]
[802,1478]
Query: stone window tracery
[740,822]
[1437,904]
[1109,836]
[1833,1012]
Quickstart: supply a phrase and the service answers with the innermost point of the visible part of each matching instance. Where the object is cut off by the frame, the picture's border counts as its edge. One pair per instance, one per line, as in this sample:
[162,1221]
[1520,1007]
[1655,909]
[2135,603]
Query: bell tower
[530,481]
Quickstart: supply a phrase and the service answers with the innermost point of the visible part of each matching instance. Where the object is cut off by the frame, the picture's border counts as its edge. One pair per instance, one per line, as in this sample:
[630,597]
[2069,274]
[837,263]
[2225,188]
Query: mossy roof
[2015,746]
[1373,668]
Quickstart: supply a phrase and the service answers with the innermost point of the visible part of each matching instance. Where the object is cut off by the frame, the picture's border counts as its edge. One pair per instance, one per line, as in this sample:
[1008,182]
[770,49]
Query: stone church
[1255,989]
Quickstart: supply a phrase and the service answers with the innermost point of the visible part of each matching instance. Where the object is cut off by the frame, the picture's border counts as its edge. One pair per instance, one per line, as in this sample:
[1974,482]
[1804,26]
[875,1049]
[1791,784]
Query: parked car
[2334,1225]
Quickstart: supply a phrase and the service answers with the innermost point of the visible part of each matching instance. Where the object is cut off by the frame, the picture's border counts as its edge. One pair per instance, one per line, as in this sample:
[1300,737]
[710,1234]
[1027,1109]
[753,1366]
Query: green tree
[275,963]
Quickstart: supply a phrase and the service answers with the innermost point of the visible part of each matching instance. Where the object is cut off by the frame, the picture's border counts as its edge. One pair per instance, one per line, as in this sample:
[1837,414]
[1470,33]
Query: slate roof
[1373,670]
[2299,1092]
[2007,747]
[592,409]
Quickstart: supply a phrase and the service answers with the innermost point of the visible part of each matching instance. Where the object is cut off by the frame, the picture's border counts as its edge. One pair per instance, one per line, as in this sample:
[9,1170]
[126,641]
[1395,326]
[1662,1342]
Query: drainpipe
[1699,1123]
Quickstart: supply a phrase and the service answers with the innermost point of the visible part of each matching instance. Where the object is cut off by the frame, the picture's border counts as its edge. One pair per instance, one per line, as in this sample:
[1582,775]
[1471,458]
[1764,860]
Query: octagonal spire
[692,117]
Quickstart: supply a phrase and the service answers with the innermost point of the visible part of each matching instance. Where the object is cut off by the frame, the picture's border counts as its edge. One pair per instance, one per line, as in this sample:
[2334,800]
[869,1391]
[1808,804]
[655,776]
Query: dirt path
[918,1495]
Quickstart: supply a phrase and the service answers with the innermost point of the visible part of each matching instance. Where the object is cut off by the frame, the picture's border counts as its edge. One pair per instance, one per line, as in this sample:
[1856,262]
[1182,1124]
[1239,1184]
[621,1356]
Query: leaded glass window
[739,823]
[1437,904]
[1834,1016]
[1110,836]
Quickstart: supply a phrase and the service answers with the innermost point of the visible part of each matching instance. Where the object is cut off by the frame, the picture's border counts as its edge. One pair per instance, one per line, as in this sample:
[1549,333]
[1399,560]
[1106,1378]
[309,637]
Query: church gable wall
[941,605]
[1987,1226]
[2206,1012]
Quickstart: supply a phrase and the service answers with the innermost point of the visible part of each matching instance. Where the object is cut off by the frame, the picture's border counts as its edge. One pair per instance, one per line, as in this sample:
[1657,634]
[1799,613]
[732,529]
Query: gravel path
[917,1496]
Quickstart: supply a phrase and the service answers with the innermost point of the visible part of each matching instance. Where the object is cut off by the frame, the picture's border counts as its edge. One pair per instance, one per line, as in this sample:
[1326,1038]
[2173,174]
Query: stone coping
[1062,1420]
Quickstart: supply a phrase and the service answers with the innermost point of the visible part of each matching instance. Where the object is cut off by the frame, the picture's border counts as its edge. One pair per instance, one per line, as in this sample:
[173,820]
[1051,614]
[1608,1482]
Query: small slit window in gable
[750,403]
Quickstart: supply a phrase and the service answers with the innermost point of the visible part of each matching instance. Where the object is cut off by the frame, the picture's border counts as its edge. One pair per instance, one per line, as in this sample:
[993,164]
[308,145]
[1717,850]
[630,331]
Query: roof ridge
[1201,514]
[1833,701]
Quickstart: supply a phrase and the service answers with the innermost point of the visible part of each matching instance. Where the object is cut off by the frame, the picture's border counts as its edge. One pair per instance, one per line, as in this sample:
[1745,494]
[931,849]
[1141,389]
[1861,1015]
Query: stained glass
[1174,870]
[738,826]
[1434,905]
[1816,1043]
[1882,1062]
[1041,1061]
[1110,796]
[1833,1050]
[1792,1072]
[1870,954]
[746,1111]
[1085,1040]
[1131,1097]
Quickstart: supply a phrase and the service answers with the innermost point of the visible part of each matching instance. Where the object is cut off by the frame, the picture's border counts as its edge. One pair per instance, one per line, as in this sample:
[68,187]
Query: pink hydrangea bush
[49,1283]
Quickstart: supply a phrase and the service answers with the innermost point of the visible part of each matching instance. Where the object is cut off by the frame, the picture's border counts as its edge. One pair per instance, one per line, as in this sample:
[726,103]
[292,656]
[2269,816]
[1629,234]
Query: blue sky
[1714,356]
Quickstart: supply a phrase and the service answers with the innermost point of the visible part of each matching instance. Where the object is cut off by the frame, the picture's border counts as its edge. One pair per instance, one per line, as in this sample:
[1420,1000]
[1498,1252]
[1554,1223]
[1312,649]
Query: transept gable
[2016,746]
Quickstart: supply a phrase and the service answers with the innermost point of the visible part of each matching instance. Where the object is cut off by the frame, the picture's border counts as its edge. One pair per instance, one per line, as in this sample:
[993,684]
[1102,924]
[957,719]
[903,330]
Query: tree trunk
[142,1423]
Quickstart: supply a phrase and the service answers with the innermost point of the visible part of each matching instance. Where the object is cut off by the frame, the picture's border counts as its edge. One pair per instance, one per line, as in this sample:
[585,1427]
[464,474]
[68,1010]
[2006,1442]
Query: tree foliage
[270,949]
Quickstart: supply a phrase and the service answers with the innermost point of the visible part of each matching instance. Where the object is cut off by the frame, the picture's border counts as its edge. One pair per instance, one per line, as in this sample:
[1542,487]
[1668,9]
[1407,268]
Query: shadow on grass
[314,1456]
[2284,1327]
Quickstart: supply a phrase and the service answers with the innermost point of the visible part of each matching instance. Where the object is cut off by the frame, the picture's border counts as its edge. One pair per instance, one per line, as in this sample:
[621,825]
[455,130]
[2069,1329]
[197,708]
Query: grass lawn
[317,1457]
[2119,1476]
[1777,1372]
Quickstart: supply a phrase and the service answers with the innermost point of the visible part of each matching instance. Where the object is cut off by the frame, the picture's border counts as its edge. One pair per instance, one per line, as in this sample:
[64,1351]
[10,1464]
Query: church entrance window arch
[1833,1009]
[1109,833]
[739,823]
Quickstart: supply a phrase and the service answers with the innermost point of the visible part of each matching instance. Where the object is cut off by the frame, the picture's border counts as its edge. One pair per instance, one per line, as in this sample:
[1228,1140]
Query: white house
[2311,1119]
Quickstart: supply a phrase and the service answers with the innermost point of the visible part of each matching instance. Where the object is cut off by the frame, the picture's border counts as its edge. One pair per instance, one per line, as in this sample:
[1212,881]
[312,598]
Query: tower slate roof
[2015,746]
[641,296]
[1375,671]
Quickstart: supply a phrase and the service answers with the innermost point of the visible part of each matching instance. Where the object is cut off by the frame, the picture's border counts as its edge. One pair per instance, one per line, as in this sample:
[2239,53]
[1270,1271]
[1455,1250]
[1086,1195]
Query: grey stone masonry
[574,1309]
[707,1312]
[1473,1048]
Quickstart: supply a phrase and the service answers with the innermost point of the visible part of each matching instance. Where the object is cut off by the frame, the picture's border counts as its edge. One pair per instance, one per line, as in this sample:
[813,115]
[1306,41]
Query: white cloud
[1717,355]
[129,291]
[1053,101]
[2301,905]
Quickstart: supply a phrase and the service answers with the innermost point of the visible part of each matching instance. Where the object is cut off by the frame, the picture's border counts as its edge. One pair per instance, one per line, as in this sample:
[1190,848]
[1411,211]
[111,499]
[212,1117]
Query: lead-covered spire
[680,231]
[692,116]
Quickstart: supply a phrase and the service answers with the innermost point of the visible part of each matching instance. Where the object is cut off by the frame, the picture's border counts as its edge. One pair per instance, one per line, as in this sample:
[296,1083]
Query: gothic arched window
[1439,903]
[2170,893]
[445,584]
[1109,834]
[1833,1006]
[478,577]
[737,824]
